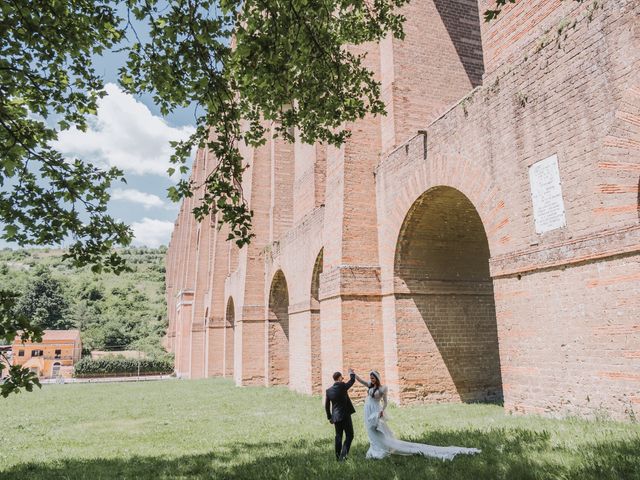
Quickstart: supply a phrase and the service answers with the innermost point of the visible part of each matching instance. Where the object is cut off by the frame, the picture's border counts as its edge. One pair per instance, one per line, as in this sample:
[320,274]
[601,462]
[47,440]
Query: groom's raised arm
[352,379]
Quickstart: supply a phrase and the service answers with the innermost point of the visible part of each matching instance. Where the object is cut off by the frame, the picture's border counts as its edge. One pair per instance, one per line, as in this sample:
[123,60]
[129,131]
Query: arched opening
[55,371]
[445,311]
[279,331]
[229,331]
[316,366]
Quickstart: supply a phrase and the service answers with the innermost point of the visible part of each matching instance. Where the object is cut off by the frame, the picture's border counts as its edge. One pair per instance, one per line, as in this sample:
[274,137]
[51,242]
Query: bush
[89,367]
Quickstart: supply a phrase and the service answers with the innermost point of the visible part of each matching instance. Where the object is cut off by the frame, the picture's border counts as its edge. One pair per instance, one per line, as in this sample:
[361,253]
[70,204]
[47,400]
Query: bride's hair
[375,375]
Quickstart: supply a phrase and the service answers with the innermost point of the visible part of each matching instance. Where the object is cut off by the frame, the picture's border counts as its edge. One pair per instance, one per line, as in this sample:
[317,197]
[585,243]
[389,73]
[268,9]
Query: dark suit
[339,409]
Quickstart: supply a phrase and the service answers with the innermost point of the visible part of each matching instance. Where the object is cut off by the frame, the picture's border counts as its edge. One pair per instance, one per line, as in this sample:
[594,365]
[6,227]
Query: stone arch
[316,365]
[447,341]
[278,330]
[229,338]
[400,193]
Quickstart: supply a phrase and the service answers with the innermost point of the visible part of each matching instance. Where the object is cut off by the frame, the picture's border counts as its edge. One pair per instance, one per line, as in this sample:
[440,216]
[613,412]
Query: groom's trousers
[344,426]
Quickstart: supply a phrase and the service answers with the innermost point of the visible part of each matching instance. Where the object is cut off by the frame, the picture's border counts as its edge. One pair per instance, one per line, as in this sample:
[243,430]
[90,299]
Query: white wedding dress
[383,442]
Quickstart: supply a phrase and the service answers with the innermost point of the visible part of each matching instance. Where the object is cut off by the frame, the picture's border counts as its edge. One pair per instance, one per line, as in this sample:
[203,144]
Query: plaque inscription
[546,195]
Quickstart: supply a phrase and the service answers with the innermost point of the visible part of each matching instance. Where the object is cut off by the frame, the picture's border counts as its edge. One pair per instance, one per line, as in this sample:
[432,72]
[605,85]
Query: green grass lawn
[211,429]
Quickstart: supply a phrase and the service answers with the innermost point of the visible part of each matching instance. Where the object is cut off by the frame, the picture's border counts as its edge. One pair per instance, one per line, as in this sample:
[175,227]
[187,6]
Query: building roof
[61,335]
[55,336]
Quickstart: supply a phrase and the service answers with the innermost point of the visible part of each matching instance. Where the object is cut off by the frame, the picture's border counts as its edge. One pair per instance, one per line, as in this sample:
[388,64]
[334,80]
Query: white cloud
[124,134]
[152,233]
[147,200]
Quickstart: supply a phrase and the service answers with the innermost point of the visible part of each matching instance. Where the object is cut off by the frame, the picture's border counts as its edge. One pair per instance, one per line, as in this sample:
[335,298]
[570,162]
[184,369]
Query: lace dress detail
[382,441]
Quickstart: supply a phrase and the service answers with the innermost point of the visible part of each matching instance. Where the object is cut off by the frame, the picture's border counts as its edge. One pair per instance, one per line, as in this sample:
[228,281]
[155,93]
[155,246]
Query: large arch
[445,312]
[316,365]
[229,338]
[278,331]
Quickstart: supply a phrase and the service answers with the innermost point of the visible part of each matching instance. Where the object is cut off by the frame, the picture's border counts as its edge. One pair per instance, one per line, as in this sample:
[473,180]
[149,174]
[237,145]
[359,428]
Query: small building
[53,357]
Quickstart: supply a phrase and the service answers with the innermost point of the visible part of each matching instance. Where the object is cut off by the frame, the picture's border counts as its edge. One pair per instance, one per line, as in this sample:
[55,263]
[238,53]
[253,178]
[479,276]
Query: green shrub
[89,367]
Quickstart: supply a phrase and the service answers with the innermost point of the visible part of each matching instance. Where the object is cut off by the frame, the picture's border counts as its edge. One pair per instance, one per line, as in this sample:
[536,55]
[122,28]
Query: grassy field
[211,429]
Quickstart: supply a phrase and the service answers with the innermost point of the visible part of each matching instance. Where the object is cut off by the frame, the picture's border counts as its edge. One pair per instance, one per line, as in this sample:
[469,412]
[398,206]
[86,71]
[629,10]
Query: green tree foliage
[291,63]
[18,377]
[44,303]
[47,84]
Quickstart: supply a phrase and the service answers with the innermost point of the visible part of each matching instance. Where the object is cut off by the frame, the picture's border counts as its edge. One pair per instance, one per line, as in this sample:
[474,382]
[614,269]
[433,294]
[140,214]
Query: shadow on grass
[506,454]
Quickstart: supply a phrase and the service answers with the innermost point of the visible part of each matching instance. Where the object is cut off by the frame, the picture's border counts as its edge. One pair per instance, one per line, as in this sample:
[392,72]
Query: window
[36,353]
[58,353]
[21,353]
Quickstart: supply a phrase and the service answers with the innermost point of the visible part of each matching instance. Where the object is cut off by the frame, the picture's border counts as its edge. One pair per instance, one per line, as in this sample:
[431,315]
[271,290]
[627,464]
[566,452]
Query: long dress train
[382,440]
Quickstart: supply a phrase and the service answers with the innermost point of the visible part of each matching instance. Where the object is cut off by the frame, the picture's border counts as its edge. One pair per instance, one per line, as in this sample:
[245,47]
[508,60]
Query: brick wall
[564,331]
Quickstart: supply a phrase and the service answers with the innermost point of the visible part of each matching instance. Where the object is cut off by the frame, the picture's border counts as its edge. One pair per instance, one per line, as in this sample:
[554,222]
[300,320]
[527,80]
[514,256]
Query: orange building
[54,356]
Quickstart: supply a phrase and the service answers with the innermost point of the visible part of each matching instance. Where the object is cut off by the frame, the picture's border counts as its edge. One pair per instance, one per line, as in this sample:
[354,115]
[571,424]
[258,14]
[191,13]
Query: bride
[382,442]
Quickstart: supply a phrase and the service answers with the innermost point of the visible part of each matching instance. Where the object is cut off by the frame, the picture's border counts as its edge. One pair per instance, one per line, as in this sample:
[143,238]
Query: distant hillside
[112,311]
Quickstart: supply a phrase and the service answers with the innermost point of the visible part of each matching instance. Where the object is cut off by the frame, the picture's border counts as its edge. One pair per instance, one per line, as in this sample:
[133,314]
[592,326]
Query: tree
[44,303]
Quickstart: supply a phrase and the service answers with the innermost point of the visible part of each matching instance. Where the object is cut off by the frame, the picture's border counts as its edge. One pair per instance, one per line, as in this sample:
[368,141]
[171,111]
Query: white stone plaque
[546,194]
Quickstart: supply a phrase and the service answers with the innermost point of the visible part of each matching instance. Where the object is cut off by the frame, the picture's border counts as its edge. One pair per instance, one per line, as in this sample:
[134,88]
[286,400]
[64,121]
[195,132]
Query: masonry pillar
[215,299]
[247,284]
[349,291]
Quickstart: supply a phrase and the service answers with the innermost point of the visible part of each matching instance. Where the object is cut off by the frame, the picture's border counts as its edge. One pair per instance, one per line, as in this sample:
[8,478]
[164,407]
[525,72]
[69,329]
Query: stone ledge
[351,281]
[216,322]
[302,307]
[185,293]
[603,244]
[442,287]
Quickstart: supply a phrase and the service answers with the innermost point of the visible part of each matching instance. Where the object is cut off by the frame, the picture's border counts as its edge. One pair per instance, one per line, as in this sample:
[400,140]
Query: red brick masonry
[413,250]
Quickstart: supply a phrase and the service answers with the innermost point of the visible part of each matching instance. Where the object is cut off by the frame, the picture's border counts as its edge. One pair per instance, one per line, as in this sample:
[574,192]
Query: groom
[339,414]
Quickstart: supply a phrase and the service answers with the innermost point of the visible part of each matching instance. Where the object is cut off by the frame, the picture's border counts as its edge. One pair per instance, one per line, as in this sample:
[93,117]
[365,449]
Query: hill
[112,311]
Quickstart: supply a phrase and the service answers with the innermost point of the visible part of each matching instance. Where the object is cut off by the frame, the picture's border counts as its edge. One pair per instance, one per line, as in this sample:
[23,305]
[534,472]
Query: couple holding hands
[382,441]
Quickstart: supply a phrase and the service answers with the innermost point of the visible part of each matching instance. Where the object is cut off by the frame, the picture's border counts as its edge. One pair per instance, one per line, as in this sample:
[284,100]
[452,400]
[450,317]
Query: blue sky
[128,133]
[131,134]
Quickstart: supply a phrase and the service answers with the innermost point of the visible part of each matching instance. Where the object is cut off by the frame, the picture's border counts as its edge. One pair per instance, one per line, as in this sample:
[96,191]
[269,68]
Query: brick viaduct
[413,249]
